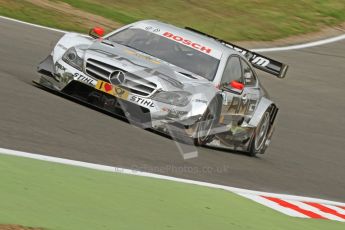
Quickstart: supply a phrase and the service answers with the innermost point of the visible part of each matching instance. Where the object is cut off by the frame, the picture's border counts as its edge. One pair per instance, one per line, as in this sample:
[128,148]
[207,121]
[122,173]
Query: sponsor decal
[242,106]
[174,112]
[147,58]
[113,90]
[243,52]
[65,77]
[201,101]
[59,66]
[187,42]
[180,38]
[254,59]
[142,101]
[62,47]
[84,79]
[259,61]
[152,29]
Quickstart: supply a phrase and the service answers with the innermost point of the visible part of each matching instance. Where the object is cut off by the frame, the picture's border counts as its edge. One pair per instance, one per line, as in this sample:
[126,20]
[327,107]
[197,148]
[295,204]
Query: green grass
[231,19]
[54,196]
[28,12]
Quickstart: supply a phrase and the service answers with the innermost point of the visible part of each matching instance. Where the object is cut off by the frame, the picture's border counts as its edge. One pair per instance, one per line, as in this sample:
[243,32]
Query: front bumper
[63,78]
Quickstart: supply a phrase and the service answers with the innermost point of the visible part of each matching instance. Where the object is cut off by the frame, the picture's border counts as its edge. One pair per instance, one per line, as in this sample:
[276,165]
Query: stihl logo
[187,42]
[260,61]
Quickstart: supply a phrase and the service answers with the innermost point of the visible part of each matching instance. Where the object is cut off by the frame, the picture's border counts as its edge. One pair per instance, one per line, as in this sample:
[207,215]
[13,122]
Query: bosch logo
[187,42]
[117,77]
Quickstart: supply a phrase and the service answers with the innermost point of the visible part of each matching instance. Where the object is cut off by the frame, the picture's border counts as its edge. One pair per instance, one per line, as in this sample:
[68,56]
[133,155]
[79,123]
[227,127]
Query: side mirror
[96,32]
[234,87]
[237,85]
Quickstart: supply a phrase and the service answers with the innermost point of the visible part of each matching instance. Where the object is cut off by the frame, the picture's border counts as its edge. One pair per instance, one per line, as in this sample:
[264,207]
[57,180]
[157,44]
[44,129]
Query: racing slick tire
[258,143]
[208,121]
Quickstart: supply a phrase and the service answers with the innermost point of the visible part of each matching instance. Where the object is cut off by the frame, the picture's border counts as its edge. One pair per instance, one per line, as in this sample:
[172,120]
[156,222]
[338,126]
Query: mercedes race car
[193,86]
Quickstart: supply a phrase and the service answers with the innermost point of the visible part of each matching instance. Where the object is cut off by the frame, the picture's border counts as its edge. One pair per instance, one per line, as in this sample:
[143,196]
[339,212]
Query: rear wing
[258,61]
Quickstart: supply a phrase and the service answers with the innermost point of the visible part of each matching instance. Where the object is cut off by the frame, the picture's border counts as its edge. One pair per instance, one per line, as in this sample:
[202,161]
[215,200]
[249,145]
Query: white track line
[302,46]
[273,49]
[33,25]
[152,175]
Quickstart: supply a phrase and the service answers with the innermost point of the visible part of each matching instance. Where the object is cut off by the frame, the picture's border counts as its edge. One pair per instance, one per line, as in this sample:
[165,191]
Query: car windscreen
[168,50]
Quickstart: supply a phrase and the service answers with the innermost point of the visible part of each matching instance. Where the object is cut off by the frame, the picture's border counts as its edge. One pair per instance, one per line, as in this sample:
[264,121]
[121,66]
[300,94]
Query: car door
[239,90]
[231,96]
[251,92]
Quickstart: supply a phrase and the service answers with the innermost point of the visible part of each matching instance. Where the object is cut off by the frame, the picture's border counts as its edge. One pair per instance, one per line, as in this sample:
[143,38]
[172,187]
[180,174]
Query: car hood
[167,76]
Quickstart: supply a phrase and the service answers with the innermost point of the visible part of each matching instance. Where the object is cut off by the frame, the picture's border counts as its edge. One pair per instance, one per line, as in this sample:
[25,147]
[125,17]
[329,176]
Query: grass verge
[233,20]
[29,12]
[54,196]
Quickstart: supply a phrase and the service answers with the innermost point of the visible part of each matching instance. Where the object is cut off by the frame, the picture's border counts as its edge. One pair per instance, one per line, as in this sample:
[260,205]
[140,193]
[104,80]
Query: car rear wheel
[260,135]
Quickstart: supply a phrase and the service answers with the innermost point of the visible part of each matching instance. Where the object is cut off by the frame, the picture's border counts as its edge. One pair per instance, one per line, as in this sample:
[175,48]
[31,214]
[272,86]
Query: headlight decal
[71,57]
[178,98]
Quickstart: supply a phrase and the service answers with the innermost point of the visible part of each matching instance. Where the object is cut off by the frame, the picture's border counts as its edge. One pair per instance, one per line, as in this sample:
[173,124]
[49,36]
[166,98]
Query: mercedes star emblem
[117,77]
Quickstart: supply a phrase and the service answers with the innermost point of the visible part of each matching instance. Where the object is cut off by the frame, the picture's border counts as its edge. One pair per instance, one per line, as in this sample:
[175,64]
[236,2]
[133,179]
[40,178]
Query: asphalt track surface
[306,157]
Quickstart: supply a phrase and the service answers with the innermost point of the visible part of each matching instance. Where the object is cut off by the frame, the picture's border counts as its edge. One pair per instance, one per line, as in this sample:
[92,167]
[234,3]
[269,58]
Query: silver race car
[195,87]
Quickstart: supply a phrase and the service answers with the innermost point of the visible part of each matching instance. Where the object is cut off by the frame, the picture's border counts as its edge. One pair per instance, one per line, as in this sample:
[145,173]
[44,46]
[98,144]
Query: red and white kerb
[300,208]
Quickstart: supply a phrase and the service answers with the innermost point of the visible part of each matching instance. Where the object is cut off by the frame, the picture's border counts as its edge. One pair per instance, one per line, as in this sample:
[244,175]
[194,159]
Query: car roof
[188,34]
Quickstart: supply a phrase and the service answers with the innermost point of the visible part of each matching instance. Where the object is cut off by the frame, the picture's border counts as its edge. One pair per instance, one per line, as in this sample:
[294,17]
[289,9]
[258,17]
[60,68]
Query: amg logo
[243,52]
[242,106]
[260,61]
[254,59]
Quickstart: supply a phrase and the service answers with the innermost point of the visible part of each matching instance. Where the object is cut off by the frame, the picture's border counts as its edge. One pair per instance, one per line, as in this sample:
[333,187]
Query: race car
[179,81]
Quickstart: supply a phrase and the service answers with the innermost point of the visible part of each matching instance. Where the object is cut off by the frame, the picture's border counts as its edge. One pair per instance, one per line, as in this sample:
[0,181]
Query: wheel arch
[67,41]
[265,105]
[262,107]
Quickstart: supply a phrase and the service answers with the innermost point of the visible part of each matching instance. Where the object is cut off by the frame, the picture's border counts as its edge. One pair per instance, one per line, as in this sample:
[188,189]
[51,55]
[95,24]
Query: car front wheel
[208,121]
